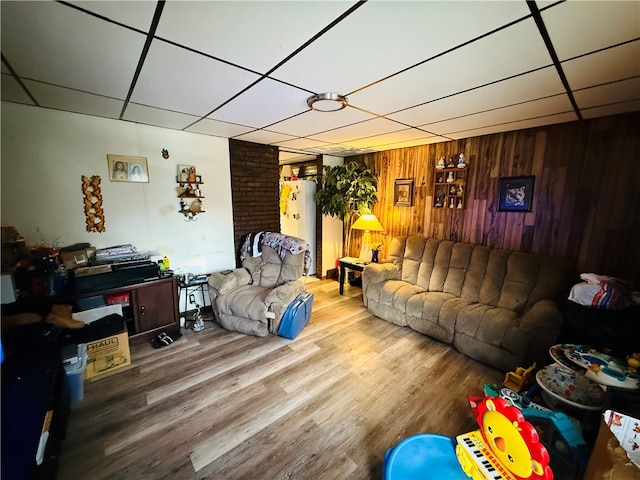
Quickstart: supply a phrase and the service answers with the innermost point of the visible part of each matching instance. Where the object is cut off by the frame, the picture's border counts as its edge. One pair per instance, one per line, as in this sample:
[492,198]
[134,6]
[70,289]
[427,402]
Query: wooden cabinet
[148,308]
[449,187]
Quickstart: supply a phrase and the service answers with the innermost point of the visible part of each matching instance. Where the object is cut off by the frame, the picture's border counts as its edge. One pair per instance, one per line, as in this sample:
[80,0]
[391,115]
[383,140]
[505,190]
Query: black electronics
[117,275]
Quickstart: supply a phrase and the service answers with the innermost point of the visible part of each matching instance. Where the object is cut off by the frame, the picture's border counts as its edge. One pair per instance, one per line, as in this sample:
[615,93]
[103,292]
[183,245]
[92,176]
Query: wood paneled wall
[586,201]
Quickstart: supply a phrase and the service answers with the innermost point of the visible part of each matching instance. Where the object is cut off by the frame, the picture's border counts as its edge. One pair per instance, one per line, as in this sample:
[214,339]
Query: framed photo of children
[127,169]
[403,192]
[515,194]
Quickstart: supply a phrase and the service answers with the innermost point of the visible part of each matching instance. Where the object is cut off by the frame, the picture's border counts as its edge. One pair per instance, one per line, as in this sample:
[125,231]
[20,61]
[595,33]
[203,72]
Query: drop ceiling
[414,72]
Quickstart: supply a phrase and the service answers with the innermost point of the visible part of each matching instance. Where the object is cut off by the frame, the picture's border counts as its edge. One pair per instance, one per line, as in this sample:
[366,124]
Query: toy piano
[506,447]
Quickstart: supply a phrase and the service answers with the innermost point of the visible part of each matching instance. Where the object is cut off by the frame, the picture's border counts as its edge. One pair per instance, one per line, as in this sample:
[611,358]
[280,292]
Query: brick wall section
[255,189]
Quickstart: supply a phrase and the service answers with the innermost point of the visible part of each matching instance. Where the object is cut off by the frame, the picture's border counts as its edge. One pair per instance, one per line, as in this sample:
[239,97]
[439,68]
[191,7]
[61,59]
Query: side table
[190,287]
[352,263]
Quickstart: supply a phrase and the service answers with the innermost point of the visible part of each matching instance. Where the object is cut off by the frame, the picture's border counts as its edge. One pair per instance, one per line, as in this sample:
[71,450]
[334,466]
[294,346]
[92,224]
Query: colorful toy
[506,446]
[520,379]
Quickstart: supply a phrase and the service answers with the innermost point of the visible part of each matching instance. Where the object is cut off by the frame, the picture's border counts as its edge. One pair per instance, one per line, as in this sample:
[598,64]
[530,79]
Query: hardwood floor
[222,405]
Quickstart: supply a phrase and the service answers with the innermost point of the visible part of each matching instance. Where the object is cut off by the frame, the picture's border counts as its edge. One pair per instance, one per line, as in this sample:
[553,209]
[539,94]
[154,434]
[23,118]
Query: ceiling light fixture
[327,102]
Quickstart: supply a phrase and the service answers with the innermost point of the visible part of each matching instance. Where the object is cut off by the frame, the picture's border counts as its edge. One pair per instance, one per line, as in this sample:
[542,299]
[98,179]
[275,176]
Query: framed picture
[186,173]
[515,194]
[127,169]
[403,192]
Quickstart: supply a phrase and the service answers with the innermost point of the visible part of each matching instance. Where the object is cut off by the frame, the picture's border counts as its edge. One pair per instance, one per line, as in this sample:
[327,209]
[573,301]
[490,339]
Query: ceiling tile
[135,14]
[512,51]
[218,129]
[312,121]
[239,33]
[12,91]
[52,96]
[525,111]
[264,136]
[383,37]
[265,103]
[177,79]
[609,94]
[157,116]
[383,141]
[615,109]
[304,144]
[602,67]
[517,125]
[532,86]
[576,28]
[359,130]
[50,42]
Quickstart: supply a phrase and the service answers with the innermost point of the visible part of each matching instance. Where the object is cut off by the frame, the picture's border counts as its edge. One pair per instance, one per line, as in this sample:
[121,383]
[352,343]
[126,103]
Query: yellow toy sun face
[506,443]
[512,439]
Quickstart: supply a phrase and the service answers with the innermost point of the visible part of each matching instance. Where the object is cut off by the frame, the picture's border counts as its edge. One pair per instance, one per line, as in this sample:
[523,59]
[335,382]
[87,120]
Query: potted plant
[347,191]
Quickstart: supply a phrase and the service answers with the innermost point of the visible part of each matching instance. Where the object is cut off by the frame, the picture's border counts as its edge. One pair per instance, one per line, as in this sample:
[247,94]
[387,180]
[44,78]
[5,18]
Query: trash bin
[75,361]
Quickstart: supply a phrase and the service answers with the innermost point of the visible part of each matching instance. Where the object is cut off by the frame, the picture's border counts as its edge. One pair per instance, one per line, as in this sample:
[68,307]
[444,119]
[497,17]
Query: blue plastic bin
[74,366]
[423,456]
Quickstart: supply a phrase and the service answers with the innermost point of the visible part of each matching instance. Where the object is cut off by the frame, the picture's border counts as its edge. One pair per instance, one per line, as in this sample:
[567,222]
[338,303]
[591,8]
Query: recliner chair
[252,299]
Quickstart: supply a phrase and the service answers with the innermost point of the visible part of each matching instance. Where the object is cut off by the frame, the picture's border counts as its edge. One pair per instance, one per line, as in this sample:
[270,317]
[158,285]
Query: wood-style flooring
[222,405]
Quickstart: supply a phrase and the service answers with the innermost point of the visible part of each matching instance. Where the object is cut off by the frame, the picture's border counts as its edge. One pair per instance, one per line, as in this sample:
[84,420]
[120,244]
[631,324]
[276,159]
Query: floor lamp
[369,223]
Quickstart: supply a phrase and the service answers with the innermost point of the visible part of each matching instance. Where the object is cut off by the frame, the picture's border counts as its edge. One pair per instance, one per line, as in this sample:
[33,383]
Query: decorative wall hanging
[189,192]
[93,212]
[165,153]
[515,194]
[403,192]
[127,169]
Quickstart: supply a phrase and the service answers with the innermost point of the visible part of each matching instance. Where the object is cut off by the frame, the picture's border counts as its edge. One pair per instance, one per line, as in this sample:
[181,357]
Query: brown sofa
[496,306]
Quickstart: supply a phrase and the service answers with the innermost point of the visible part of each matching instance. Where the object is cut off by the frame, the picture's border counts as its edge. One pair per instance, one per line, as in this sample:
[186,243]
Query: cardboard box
[74,259]
[108,354]
[616,449]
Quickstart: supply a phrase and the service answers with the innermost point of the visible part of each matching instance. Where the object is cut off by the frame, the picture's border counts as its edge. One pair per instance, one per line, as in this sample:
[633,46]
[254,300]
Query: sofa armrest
[380,272]
[285,293]
[279,299]
[544,322]
[223,283]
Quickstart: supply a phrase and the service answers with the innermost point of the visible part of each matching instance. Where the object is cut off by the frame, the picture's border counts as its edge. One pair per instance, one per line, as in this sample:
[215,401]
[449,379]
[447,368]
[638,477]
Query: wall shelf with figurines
[450,182]
[189,192]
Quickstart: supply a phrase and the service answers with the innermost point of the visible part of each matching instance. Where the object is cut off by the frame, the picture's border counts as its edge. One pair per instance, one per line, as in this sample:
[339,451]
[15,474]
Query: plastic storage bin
[74,365]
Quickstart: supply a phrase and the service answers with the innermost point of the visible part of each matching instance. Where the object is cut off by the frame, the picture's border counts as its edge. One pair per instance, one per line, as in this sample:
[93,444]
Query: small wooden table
[352,263]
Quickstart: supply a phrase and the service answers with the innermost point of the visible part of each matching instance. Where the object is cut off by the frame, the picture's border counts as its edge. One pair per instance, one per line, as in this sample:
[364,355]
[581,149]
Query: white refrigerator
[298,213]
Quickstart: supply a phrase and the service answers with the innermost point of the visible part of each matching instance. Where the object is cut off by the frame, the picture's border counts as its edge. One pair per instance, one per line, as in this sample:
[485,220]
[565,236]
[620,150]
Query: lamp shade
[368,221]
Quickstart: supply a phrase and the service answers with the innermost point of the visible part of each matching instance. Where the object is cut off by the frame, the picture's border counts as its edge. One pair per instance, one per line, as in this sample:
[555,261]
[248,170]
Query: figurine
[452,204]
[440,164]
[450,177]
[450,164]
[461,163]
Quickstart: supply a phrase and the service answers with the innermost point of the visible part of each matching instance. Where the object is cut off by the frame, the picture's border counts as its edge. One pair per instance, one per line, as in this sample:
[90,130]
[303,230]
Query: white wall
[45,153]
[331,228]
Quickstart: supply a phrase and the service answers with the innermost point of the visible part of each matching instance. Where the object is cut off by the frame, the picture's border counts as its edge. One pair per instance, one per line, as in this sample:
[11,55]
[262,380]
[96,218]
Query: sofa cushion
[519,280]
[440,267]
[487,323]
[397,293]
[428,262]
[247,301]
[458,266]
[271,267]
[493,277]
[426,314]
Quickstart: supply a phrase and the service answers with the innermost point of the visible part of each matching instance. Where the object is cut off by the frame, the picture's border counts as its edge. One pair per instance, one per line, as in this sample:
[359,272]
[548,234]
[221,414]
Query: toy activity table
[596,366]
